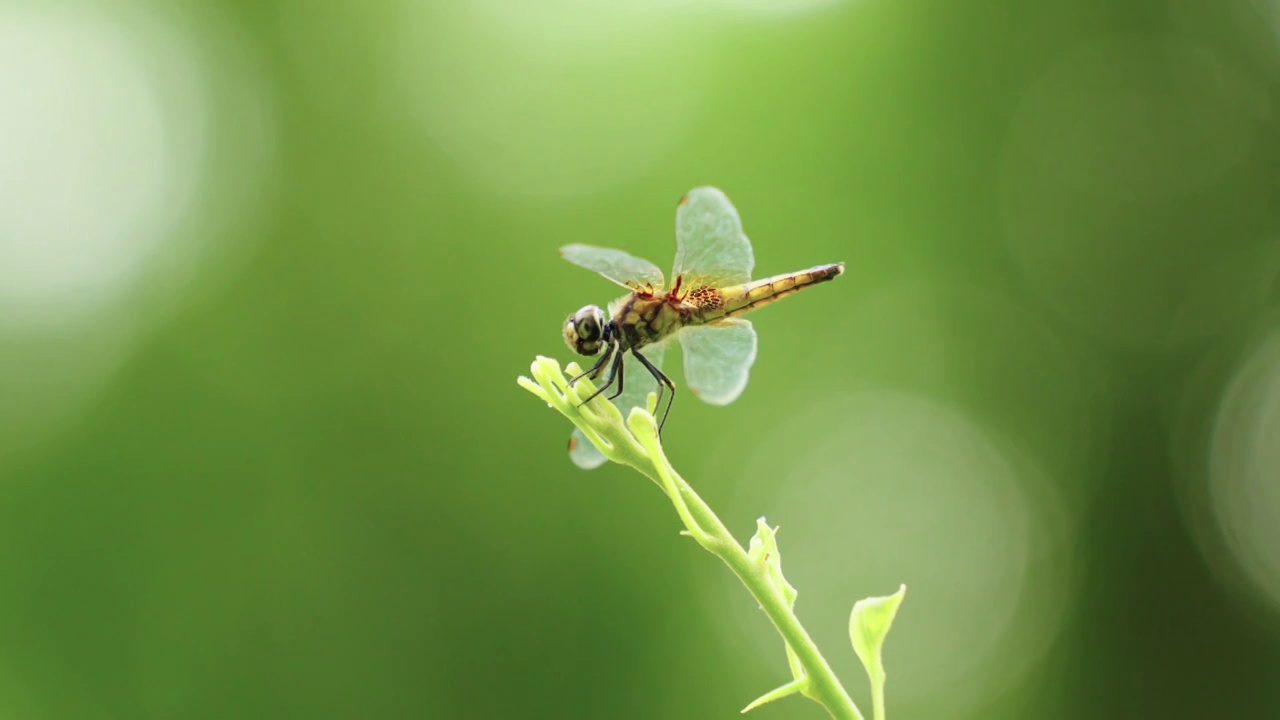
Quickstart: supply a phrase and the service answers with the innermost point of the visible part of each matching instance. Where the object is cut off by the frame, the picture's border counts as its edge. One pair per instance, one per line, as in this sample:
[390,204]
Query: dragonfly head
[584,331]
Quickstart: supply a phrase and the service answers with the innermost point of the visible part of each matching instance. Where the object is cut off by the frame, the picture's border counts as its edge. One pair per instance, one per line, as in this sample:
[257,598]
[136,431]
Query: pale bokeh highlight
[555,104]
[893,487]
[1244,470]
[111,126]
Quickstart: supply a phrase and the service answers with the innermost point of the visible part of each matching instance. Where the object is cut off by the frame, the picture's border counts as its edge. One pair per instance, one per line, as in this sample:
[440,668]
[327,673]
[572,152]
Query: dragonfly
[711,287]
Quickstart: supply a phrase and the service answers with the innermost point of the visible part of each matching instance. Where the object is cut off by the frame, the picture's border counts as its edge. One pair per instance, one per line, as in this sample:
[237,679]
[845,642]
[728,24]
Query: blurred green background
[268,272]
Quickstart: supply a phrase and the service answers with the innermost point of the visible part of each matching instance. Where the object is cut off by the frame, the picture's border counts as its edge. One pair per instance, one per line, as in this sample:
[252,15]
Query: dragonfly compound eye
[582,331]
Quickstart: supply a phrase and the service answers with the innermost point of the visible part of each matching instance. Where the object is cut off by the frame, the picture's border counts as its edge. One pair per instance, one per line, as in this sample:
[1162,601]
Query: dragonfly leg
[614,373]
[594,370]
[621,369]
[663,380]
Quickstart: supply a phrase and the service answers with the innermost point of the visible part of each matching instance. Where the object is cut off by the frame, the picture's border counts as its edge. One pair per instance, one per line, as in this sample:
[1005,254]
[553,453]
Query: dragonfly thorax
[584,331]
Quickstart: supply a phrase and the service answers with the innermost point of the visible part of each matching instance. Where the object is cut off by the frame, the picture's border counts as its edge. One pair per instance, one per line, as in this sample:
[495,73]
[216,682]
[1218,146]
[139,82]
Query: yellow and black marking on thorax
[644,318]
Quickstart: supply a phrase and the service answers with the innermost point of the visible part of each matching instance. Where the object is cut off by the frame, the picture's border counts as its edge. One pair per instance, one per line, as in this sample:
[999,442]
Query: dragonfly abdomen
[739,299]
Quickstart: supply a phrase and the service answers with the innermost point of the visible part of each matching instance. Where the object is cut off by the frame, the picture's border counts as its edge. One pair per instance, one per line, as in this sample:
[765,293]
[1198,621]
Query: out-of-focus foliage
[267,271]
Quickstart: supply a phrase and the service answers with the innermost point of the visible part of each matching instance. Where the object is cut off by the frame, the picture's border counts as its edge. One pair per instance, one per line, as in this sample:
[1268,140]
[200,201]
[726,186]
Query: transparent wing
[711,248]
[628,271]
[638,382]
[718,358]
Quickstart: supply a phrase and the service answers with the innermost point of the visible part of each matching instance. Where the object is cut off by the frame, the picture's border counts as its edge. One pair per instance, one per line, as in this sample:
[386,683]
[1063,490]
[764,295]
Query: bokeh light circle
[1268,11]
[111,123]
[975,344]
[586,101]
[586,30]
[95,166]
[777,8]
[1102,155]
[1244,470]
[879,487]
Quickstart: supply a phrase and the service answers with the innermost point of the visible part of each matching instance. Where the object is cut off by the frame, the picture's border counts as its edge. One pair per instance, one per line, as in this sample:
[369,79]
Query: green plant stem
[824,687]
[641,449]
[877,697]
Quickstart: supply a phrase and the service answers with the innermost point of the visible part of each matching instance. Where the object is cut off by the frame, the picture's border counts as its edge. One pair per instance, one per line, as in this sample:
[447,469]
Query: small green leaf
[756,546]
[868,625]
[763,549]
[791,688]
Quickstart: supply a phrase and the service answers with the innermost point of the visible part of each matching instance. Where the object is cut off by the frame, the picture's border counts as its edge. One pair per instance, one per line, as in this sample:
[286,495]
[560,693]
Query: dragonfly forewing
[711,248]
[623,268]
